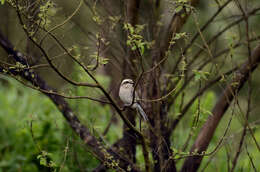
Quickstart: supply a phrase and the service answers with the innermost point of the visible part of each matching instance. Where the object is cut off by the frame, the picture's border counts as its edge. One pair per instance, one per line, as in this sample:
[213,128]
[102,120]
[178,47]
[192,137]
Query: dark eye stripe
[129,82]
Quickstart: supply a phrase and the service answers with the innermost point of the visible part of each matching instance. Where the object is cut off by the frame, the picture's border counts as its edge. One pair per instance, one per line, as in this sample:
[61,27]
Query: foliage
[20,151]
[51,133]
[184,69]
[135,39]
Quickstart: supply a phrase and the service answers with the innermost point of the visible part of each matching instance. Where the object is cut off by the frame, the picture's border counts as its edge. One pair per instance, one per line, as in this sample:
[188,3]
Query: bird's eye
[128,82]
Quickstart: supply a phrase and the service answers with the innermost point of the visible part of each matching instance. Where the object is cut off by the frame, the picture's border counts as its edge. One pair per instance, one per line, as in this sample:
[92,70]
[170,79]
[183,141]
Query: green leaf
[197,77]
[104,61]
[2,2]
[177,156]
[178,9]
[52,164]
[128,42]
[39,156]
[43,161]
[133,48]
[142,50]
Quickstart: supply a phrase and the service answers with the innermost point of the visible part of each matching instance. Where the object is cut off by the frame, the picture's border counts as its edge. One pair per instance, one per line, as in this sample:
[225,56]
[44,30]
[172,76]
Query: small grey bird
[126,95]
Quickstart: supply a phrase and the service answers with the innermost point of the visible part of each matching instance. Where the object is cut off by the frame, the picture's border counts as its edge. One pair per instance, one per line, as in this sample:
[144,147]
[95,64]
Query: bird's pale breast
[126,93]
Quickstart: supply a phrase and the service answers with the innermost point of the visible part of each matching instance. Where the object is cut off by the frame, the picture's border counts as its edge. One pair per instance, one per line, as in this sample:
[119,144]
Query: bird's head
[127,81]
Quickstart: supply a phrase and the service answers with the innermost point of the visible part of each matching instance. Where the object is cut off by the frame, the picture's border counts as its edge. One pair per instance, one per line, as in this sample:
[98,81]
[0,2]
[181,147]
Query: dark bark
[205,135]
[106,156]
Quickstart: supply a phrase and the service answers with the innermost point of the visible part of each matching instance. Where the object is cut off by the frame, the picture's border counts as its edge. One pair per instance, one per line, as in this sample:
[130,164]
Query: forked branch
[205,135]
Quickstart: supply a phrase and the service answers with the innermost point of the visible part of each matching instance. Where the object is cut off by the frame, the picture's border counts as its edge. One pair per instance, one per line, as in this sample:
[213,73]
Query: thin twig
[63,23]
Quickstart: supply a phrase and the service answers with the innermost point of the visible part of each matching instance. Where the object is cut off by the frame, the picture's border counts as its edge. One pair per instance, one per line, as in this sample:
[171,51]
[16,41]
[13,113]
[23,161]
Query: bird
[126,95]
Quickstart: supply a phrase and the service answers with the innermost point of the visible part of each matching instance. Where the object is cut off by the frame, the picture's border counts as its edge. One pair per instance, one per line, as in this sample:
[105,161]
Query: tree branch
[106,156]
[205,135]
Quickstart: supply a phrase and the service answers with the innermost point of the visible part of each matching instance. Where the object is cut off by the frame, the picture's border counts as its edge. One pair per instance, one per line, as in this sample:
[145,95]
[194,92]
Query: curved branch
[186,108]
[205,135]
[250,14]
[212,18]
[97,85]
[199,93]
[105,155]
[177,22]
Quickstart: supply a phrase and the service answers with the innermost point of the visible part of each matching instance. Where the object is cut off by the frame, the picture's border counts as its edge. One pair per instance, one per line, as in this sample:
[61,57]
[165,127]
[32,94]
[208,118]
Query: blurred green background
[55,142]
[34,136]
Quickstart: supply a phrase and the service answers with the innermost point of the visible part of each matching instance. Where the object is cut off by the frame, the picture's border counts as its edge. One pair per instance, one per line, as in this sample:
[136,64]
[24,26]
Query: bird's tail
[142,113]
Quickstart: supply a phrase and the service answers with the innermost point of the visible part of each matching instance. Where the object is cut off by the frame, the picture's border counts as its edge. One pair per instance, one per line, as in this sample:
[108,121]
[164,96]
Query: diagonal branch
[176,23]
[105,155]
[205,135]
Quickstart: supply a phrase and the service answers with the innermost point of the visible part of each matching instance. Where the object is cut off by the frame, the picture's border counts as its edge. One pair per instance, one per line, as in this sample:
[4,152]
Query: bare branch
[97,147]
[208,129]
